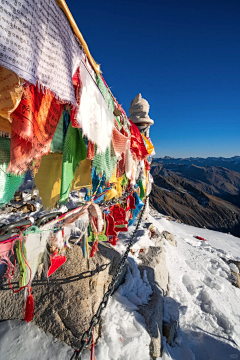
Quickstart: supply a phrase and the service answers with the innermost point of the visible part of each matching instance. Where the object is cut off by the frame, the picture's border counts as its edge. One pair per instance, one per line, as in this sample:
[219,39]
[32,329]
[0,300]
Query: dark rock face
[199,196]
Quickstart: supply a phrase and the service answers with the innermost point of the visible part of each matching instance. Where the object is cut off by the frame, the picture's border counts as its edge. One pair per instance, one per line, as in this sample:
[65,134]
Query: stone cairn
[138,111]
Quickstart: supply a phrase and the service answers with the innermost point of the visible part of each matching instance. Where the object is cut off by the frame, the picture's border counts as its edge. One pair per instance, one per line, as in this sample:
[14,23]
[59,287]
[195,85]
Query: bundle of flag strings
[61,126]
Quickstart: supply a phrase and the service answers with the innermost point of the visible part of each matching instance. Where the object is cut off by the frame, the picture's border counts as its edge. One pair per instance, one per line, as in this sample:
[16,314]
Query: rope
[87,336]
[28,284]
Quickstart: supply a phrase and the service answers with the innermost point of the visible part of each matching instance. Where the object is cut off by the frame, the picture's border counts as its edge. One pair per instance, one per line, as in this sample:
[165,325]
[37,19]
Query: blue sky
[183,56]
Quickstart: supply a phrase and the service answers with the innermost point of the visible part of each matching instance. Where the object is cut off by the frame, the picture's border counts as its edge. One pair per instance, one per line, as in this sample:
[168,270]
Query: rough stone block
[169,237]
[66,302]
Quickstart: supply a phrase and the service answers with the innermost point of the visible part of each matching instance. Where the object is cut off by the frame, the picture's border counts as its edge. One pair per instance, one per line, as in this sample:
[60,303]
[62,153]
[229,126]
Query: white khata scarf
[93,116]
[129,162]
[37,43]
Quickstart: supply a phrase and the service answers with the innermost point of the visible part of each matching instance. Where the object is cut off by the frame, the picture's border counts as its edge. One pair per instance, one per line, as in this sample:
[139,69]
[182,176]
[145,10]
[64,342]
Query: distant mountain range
[198,191]
[232,163]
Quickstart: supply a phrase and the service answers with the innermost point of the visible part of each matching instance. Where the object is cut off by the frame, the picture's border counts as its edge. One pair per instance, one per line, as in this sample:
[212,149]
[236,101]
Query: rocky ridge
[199,196]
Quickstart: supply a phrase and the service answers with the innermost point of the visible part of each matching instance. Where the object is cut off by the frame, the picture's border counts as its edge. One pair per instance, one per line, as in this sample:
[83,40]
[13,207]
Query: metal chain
[87,336]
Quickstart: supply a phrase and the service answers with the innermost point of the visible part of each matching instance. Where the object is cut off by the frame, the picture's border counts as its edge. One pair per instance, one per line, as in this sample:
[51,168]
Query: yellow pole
[62,4]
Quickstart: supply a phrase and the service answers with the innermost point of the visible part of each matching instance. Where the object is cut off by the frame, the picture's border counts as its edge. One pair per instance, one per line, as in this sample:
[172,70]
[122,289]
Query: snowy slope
[200,297]
[201,294]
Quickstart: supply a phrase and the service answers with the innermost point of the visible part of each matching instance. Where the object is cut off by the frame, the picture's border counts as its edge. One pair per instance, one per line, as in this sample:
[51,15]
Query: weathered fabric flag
[33,127]
[37,43]
[8,183]
[48,179]
[74,151]
[93,116]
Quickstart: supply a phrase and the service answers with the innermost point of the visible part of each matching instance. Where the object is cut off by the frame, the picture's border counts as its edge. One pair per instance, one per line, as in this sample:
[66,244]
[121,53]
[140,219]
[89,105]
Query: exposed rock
[170,331]
[236,263]
[65,305]
[169,237]
[235,272]
[236,278]
[154,263]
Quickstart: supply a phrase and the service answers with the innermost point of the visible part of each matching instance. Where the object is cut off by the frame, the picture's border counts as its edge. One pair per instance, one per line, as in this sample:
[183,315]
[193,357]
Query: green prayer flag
[142,192]
[74,151]
[22,263]
[57,141]
[9,183]
[106,94]
[105,162]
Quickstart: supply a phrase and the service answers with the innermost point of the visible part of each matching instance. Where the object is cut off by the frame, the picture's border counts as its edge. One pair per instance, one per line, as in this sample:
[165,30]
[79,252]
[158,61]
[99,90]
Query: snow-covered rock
[153,263]
[169,237]
[234,267]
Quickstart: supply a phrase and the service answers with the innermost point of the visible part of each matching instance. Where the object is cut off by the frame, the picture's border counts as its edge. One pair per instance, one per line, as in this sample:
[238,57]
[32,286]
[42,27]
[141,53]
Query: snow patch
[25,341]
[234,267]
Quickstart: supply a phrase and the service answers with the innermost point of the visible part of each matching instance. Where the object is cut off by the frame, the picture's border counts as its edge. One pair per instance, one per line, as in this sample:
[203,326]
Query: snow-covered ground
[201,294]
[201,297]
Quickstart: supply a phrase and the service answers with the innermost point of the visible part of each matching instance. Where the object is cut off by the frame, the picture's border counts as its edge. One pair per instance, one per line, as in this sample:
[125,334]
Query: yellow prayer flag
[82,175]
[48,179]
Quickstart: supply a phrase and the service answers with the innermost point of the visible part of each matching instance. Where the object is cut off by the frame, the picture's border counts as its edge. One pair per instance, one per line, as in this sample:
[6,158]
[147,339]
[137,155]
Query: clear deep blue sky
[183,56]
